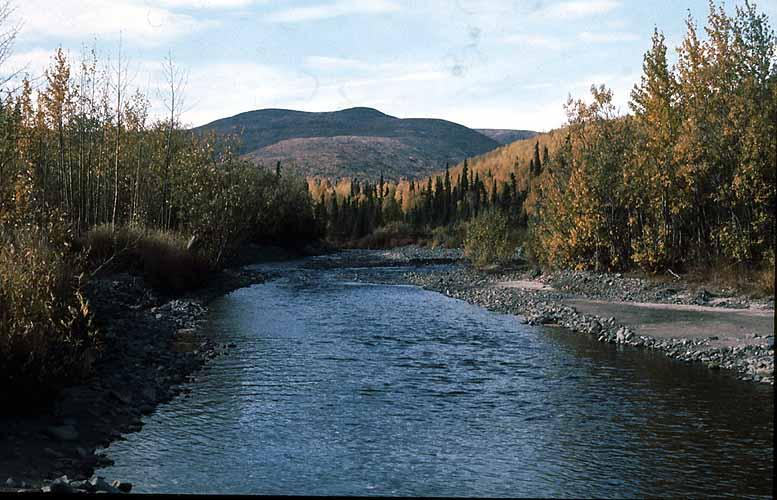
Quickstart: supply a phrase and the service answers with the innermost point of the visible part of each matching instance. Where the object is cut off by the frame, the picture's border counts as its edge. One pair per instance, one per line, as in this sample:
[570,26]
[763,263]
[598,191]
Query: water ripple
[338,388]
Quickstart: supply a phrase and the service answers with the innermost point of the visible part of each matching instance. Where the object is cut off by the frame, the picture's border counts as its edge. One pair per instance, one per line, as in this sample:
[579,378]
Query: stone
[62,432]
[99,484]
[122,486]
[61,485]
[10,483]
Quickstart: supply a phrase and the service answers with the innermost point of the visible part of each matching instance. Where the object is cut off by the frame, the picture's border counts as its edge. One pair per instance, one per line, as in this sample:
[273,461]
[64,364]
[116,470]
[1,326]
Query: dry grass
[758,282]
[160,257]
[741,279]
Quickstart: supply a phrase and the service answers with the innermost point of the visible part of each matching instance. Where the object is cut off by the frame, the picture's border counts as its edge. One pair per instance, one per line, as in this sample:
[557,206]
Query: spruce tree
[537,162]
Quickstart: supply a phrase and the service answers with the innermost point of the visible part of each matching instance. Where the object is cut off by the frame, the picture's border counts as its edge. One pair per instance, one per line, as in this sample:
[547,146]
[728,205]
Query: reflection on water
[352,389]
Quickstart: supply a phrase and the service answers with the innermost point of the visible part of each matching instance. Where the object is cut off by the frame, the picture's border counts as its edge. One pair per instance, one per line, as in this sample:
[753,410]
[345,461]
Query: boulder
[122,486]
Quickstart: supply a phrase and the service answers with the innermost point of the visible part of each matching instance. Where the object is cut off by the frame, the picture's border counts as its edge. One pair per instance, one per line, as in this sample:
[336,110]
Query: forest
[88,182]
[686,179]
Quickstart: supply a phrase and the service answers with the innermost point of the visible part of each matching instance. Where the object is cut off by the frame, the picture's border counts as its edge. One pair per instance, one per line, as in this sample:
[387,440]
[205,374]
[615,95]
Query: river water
[345,388]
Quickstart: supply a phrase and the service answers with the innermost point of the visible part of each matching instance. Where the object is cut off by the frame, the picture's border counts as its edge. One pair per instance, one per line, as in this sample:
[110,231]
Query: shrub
[450,236]
[46,337]
[393,234]
[489,240]
[161,257]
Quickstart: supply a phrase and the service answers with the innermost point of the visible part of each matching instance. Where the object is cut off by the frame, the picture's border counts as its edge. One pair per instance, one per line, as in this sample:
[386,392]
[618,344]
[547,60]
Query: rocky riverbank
[555,299]
[151,344]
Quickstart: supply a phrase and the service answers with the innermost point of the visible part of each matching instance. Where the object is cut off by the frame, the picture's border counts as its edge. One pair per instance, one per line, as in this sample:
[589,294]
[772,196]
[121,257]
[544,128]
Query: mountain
[506,136]
[355,142]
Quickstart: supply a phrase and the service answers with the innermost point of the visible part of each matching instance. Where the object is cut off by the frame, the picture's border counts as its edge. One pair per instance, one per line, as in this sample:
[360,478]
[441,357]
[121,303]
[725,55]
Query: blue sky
[481,63]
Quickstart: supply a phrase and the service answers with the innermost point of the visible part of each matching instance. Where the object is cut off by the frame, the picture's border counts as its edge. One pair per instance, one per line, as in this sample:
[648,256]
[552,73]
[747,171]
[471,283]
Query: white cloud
[79,19]
[32,62]
[333,63]
[206,4]
[608,37]
[334,9]
[216,90]
[577,8]
[539,41]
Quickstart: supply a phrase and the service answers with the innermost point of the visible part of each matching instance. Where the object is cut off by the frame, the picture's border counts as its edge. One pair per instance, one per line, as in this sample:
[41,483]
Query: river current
[338,387]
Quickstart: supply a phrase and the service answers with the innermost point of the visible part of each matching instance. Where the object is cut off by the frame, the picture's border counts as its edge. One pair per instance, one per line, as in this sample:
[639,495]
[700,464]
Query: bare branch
[8,32]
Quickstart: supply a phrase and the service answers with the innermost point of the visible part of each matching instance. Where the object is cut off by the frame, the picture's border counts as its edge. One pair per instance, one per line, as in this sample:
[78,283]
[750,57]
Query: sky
[481,63]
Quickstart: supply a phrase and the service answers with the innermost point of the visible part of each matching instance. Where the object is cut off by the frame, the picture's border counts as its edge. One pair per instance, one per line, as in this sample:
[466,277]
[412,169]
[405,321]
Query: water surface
[344,388]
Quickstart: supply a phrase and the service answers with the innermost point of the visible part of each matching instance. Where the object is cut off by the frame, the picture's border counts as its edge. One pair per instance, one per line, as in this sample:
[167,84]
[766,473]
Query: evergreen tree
[536,159]
[464,182]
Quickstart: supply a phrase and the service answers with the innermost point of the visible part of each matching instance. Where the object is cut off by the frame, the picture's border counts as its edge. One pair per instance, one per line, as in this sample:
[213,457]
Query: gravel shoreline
[151,345]
[752,360]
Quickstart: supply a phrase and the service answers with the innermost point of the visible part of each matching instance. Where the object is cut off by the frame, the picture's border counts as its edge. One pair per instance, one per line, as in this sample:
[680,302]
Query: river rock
[62,432]
[11,483]
[122,486]
[99,484]
[61,485]
[623,334]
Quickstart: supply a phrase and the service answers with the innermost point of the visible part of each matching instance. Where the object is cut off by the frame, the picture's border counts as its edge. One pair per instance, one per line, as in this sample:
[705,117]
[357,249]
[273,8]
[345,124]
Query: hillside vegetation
[361,142]
[686,180]
[506,136]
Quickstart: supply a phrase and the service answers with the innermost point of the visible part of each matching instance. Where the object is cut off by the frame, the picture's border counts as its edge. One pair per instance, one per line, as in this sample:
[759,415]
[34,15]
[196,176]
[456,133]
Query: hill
[506,136]
[355,142]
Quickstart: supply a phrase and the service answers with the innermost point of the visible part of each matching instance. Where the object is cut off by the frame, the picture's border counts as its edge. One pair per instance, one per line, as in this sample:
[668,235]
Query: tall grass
[161,257]
[46,337]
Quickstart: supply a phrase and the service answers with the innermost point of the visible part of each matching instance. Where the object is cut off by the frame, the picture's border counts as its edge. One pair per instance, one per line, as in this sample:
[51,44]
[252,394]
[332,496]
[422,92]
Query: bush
[160,257]
[393,234]
[46,337]
[489,240]
[450,236]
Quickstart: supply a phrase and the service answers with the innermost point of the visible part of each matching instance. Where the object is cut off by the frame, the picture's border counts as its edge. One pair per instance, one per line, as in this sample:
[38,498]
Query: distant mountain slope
[352,142]
[506,136]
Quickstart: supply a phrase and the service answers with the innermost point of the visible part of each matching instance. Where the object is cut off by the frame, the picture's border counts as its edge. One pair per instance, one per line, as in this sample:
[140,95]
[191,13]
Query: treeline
[687,179]
[88,179]
[82,147]
[435,202]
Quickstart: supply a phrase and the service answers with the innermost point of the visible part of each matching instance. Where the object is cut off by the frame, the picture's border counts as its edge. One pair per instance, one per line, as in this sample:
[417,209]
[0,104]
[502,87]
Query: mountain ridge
[357,141]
